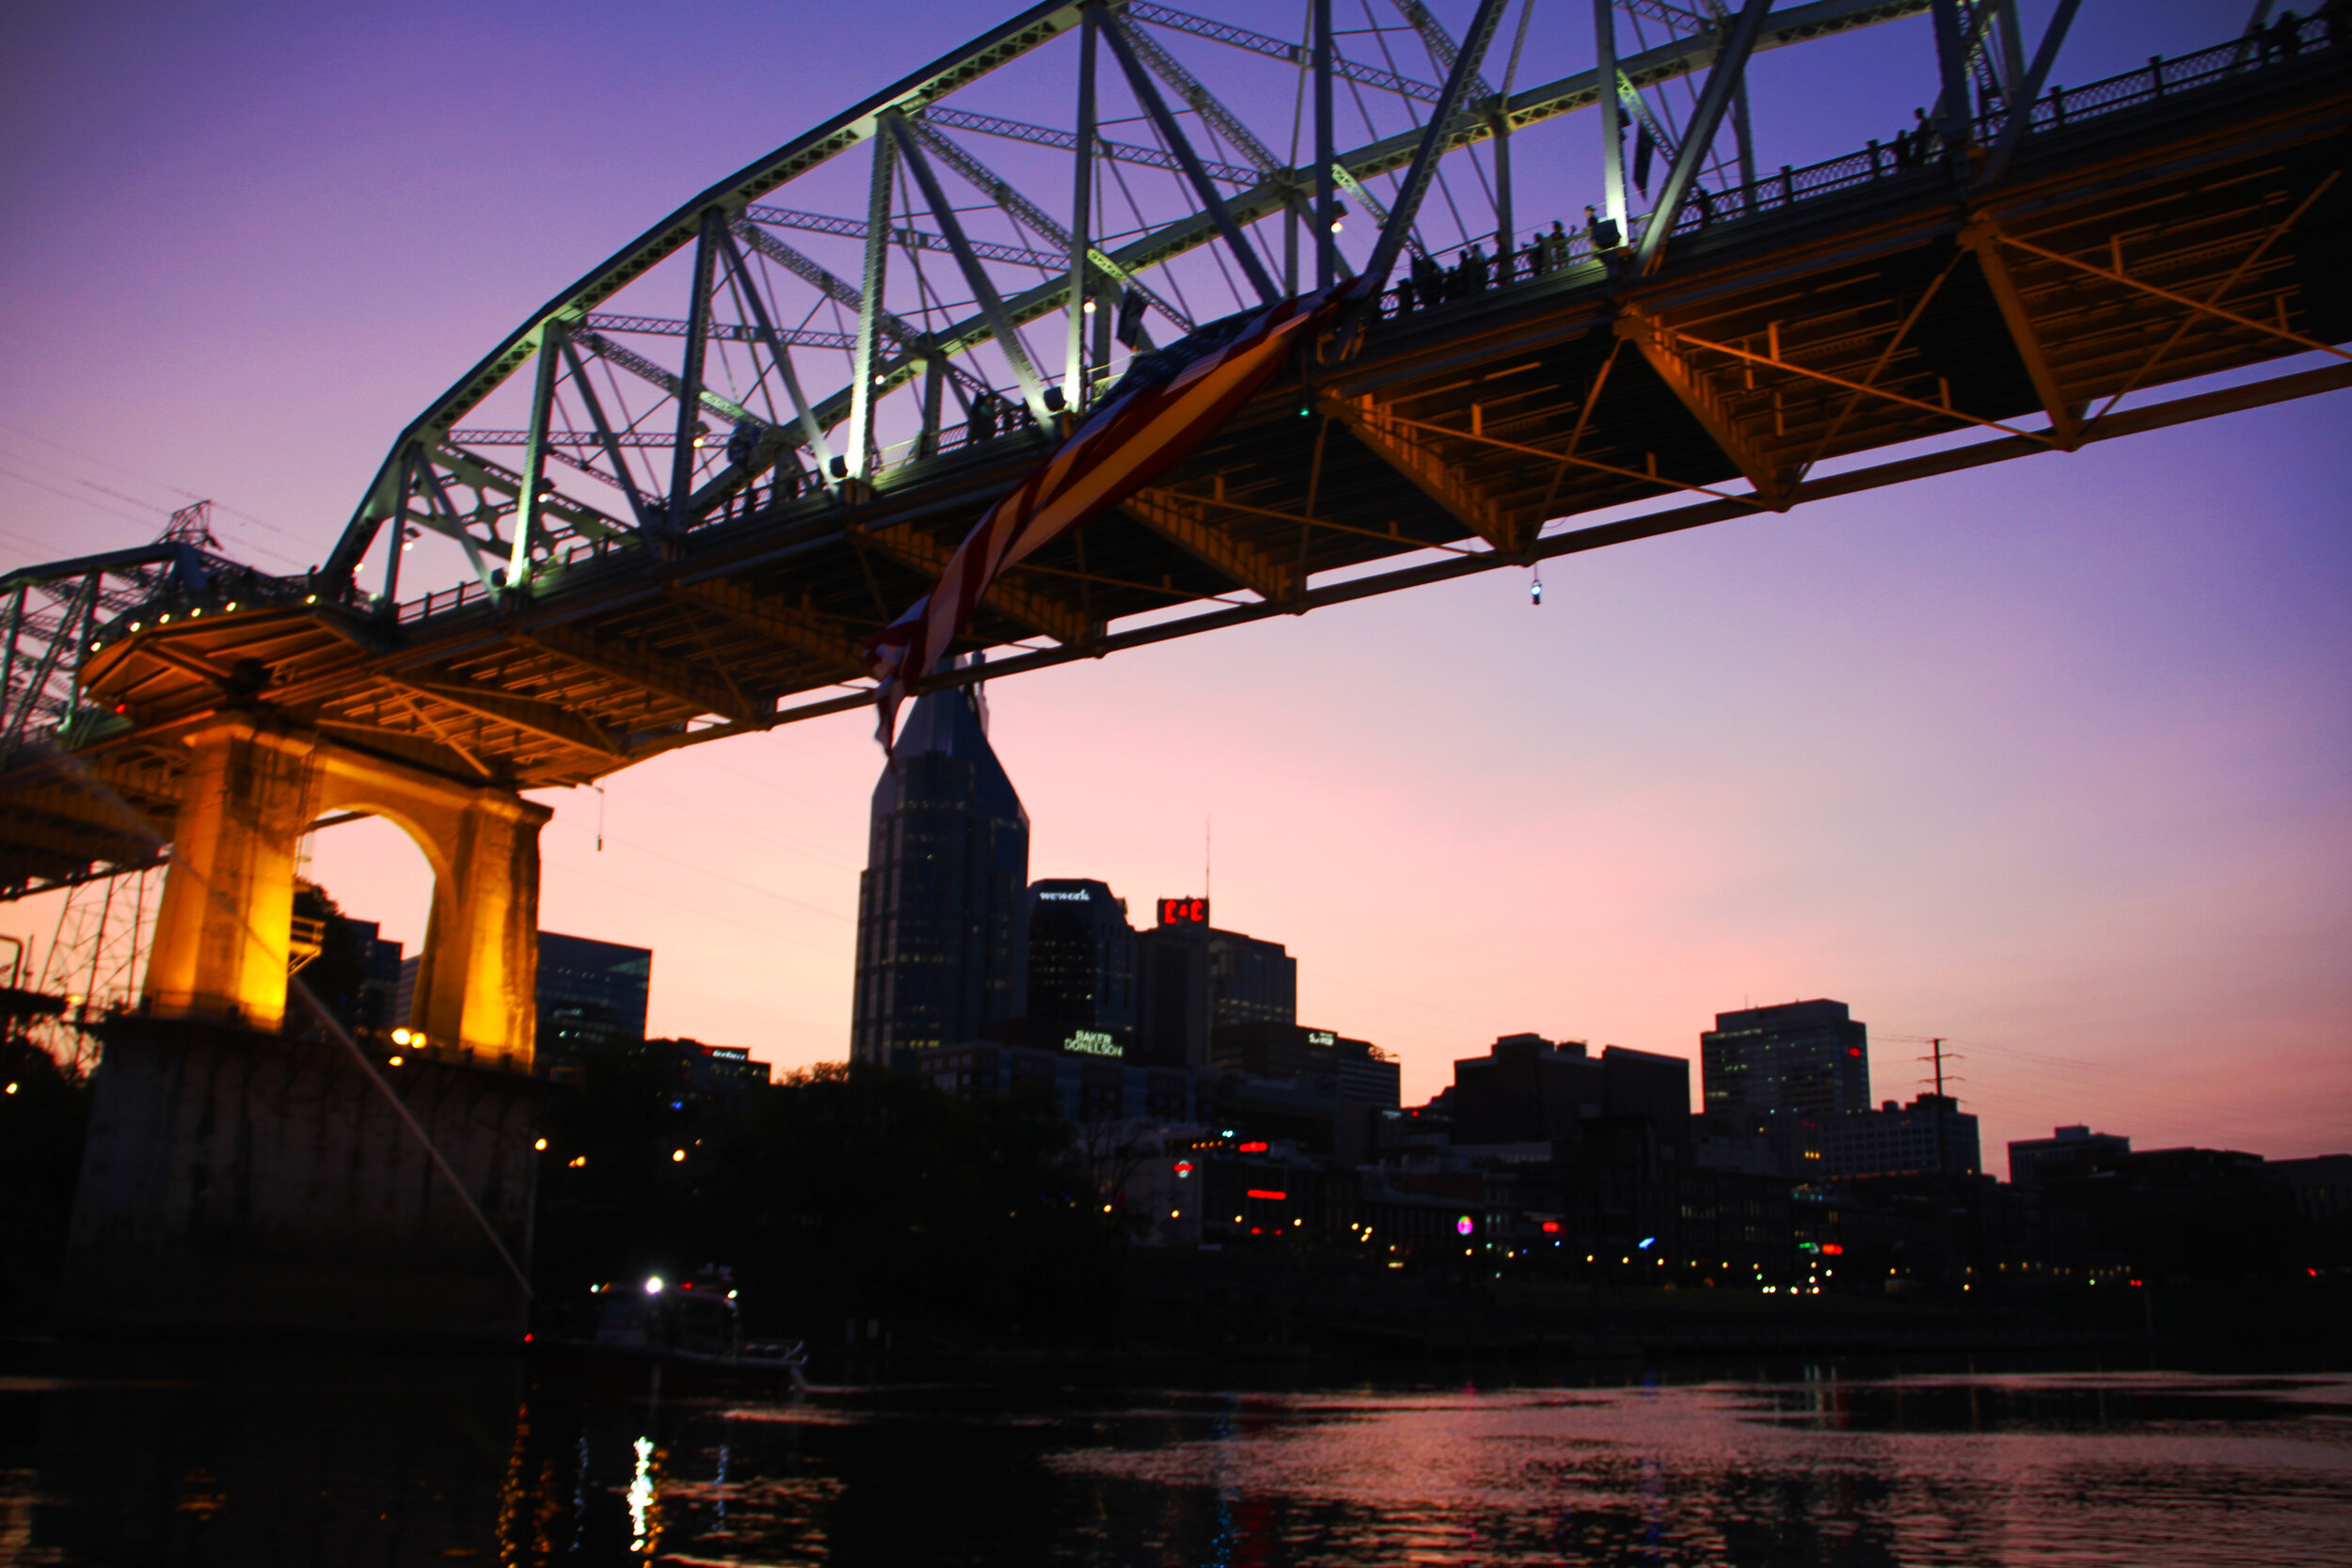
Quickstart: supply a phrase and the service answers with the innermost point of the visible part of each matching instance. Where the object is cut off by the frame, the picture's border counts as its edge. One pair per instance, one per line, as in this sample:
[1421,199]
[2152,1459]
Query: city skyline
[2046,759]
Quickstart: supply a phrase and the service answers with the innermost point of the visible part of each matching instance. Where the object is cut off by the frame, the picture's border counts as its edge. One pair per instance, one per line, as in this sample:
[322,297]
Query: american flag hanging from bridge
[1150,422]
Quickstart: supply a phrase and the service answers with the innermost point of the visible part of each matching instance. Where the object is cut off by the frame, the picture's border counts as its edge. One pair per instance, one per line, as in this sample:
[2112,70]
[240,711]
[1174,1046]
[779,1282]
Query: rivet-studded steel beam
[1448,485]
[1190,523]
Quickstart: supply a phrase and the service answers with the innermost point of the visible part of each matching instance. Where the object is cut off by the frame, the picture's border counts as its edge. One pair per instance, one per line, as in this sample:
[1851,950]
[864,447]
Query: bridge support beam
[1378,428]
[222,935]
[1689,385]
[1983,239]
[1183,521]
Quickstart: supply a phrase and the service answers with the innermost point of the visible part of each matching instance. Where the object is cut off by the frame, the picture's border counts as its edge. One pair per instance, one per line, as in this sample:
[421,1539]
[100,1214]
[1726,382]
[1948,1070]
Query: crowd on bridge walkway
[1428,283]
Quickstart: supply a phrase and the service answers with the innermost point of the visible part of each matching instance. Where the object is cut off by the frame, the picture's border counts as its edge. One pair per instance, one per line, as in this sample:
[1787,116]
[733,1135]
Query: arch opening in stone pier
[221,945]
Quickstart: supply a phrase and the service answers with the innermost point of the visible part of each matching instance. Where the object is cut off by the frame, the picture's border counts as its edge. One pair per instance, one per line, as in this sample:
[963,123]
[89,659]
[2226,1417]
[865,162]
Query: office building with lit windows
[1799,1058]
[1082,960]
[589,993]
[944,899]
[1194,978]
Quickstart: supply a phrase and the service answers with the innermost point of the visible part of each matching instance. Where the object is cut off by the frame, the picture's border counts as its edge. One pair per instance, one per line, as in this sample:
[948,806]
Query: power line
[143,479]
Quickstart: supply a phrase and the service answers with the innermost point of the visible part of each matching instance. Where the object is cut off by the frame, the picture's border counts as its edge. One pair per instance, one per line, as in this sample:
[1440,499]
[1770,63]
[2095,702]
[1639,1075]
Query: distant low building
[1349,1070]
[1527,1089]
[1086,1086]
[714,1071]
[2319,1188]
[591,994]
[2065,1147]
[1932,1135]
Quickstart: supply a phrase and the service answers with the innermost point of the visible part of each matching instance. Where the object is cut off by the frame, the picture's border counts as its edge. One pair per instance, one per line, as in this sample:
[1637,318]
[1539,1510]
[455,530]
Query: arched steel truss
[685,370]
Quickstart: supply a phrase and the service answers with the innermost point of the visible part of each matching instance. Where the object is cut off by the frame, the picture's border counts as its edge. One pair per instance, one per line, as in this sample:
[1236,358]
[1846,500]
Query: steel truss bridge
[668,508]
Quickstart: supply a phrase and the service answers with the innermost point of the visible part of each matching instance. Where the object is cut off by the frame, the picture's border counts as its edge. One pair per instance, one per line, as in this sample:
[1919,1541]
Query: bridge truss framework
[667,528]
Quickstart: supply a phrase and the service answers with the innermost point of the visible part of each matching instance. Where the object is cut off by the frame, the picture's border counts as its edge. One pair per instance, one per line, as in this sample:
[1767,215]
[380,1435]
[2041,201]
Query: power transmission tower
[97,956]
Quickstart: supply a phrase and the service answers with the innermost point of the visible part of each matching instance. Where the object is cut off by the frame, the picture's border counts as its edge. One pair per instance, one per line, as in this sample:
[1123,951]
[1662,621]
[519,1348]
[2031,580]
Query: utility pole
[1943,1159]
[1936,1047]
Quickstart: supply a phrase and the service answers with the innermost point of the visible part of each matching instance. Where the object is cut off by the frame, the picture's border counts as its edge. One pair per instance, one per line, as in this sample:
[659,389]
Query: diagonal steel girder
[1002,192]
[812,272]
[1432,146]
[1440,44]
[975,277]
[1658,346]
[1212,200]
[1279,49]
[1707,116]
[1200,101]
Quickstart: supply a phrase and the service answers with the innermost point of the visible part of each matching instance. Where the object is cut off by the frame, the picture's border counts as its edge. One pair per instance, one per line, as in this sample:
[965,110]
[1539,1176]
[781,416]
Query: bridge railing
[2061,109]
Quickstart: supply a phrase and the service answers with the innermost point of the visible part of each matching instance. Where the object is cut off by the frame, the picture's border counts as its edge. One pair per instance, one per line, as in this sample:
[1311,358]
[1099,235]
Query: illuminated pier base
[222,938]
[235,1179]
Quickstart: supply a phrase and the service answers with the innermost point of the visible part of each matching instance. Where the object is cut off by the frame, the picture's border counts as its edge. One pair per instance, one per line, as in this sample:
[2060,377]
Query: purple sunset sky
[2051,758]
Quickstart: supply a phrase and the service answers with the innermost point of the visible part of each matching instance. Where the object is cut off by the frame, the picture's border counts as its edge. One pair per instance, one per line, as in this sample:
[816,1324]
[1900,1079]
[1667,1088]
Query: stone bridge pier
[221,937]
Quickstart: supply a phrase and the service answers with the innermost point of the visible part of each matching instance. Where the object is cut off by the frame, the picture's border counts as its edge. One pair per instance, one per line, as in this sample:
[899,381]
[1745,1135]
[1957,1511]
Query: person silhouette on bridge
[1556,245]
[984,417]
[1475,271]
[2287,38]
[1403,297]
[1910,147]
[1428,281]
[1602,231]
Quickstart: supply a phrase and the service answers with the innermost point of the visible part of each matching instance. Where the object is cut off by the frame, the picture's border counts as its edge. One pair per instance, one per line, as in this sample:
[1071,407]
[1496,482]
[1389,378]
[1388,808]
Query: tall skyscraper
[942,903]
[1806,1058]
[1194,978]
[1082,958]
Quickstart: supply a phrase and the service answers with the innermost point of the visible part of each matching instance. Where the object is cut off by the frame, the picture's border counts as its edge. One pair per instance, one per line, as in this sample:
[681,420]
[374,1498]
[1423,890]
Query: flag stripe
[1124,447]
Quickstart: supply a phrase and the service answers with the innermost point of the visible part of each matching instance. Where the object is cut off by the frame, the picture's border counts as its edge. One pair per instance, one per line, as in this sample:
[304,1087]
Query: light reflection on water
[305,1461]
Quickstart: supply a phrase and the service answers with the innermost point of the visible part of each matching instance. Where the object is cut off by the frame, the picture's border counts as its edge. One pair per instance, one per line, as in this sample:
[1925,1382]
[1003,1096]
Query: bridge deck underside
[1903,308]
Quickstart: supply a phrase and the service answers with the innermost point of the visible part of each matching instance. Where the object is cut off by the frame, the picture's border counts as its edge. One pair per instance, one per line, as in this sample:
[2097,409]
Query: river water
[179,1458]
